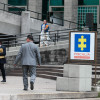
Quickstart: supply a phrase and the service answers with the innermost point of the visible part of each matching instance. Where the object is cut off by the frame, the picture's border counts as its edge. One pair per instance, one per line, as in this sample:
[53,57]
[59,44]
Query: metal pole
[15,40]
[95,58]
[57,35]
[62,22]
[4,7]
[8,45]
[39,40]
[95,74]
[49,12]
[69,48]
[27,5]
[69,24]
[55,39]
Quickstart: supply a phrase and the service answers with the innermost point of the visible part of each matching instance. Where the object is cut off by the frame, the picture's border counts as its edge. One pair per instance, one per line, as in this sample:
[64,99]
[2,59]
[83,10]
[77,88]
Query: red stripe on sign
[82,57]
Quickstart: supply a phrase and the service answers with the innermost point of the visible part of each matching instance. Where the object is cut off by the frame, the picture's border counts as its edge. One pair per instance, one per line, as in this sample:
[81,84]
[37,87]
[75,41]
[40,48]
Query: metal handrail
[57,34]
[15,40]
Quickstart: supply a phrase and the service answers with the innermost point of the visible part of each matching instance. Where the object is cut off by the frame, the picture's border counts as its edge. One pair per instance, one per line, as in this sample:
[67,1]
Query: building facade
[70,13]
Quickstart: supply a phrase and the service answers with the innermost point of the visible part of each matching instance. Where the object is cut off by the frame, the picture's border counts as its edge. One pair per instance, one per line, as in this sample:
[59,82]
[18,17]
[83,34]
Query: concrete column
[70,12]
[25,22]
[98,19]
[5,2]
[76,78]
[35,5]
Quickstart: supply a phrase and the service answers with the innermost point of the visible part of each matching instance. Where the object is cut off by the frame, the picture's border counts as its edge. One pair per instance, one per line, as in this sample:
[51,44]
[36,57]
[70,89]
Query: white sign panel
[82,45]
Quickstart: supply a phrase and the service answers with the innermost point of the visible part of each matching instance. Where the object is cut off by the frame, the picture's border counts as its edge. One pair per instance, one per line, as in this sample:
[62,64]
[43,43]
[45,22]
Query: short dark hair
[30,37]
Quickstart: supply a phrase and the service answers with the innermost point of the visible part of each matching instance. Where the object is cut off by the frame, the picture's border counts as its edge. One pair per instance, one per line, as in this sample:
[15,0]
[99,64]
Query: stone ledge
[67,95]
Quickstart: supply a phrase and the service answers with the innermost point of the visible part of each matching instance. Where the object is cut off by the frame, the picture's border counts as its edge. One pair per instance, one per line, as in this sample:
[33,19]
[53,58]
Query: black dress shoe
[25,89]
[3,81]
[31,85]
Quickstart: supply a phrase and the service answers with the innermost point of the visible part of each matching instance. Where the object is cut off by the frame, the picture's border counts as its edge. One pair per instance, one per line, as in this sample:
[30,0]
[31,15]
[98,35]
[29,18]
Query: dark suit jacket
[2,54]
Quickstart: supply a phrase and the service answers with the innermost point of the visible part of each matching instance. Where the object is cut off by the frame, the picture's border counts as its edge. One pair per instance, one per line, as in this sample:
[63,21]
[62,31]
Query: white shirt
[43,26]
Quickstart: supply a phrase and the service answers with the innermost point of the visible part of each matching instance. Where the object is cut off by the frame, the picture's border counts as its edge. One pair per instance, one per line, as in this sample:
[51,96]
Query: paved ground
[14,86]
[79,99]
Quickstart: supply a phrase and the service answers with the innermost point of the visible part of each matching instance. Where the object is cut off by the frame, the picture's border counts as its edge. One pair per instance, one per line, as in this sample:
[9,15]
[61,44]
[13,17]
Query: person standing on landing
[2,60]
[44,34]
[29,54]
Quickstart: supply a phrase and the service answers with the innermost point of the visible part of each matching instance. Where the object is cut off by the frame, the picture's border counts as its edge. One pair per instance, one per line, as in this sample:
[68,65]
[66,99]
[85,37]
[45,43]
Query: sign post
[83,47]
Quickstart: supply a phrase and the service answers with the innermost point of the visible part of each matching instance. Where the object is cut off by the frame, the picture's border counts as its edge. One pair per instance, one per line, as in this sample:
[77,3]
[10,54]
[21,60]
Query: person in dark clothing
[2,61]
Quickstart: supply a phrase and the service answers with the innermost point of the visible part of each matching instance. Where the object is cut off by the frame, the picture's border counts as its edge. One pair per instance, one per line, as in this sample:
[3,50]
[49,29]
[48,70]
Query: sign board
[82,45]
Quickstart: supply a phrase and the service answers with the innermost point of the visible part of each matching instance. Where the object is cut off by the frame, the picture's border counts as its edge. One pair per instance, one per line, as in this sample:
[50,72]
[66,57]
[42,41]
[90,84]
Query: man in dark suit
[2,61]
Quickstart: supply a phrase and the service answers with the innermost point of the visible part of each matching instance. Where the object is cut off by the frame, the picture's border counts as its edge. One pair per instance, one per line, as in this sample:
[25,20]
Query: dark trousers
[32,72]
[2,71]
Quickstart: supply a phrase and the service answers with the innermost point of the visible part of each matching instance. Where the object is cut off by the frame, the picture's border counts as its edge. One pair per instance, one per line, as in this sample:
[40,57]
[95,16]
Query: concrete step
[53,70]
[51,44]
[47,76]
[57,96]
[50,73]
[41,70]
[96,68]
[93,81]
[15,74]
[19,73]
[52,66]
[45,71]
[97,73]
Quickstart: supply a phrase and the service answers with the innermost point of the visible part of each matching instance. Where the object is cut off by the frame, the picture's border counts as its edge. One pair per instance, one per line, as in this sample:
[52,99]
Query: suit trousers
[32,72]
[2,71]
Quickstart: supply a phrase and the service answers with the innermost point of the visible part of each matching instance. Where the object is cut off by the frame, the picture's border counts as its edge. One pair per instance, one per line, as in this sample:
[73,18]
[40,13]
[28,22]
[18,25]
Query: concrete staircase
[97,64]
[45,71]
[52,71]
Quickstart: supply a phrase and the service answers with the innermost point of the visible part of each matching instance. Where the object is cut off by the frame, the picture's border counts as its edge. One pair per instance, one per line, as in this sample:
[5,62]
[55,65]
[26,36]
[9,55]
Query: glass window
[82,15]
[58,9]
[18,2]
[56,2]
[16,9]
[88,2]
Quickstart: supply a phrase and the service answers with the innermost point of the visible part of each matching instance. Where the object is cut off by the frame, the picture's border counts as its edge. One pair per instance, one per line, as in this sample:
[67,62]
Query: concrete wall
[11,24]
[55,55]
[70,12]
[98,18]
[25,22]
[52,55]
[35,5]
[1,5]
[36,25]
